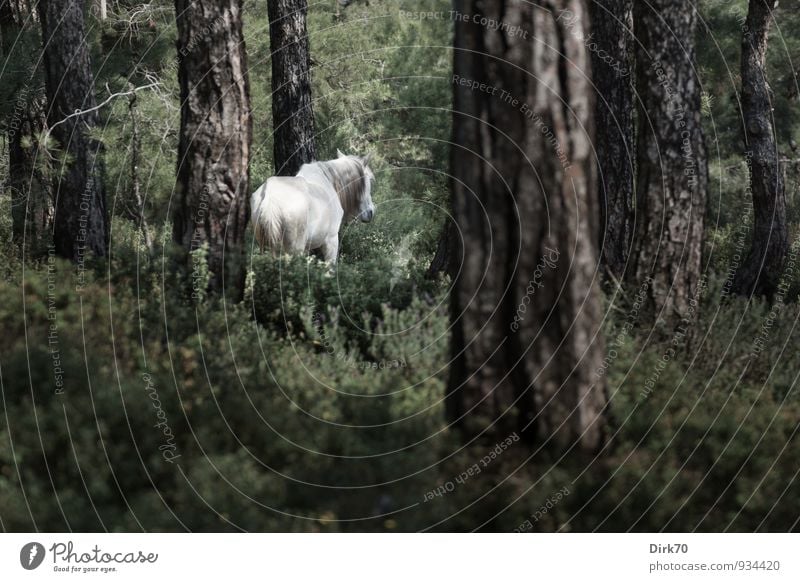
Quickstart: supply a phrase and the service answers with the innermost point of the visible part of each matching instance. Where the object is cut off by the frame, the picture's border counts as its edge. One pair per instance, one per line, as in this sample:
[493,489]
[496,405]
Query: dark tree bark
[32,202]
[446,249]
[215,135]
[31,199]
[12,16]
[761,271]
[612,60]
[137,213]
[8,22]
[525,307]
[292,111]
[671,160]
[81,220]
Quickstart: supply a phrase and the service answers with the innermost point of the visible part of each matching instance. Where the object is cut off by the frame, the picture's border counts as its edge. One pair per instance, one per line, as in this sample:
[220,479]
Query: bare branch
[79,112]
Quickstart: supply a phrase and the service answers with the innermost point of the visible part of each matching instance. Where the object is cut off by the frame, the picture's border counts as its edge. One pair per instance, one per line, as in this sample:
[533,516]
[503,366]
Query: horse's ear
[367,159]
[340,154]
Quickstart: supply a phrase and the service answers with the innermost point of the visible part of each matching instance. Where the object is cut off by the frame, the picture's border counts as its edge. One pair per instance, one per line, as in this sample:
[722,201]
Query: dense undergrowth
[206,415]
[317,402]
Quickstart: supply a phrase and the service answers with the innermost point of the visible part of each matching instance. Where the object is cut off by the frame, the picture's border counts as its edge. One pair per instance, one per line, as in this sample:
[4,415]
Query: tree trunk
[8,23]
[612,60]
[292,110]
[31,199]
[81,220]
[671,160]
[12,17]
[215,135]
[32,203]
[443,259]
[525,306]
[760,273]
[138,211]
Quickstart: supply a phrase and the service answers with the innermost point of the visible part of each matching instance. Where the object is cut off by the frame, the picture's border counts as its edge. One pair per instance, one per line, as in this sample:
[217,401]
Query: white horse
[303,213]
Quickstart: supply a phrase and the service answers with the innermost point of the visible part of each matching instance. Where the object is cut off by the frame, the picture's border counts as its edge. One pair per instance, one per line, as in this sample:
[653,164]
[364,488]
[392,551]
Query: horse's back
[291,196]
[280,211]
[296,213]
[282,188]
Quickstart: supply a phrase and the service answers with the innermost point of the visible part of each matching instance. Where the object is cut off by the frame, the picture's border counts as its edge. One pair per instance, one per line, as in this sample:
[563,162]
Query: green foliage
[719,55]
[241,419]
[270,429]
[316,403]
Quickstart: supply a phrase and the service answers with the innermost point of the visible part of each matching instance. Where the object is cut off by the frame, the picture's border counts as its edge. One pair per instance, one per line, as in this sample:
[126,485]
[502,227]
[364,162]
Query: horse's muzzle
[367,215]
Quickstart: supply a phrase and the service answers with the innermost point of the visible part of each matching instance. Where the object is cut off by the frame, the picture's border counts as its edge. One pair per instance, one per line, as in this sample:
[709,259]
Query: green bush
[317,402]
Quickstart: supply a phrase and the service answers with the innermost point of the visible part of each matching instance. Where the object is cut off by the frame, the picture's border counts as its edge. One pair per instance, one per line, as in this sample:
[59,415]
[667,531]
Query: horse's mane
[348,179]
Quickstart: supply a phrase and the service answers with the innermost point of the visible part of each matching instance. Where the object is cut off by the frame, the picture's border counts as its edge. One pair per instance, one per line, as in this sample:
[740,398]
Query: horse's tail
[269,227]
[274,228]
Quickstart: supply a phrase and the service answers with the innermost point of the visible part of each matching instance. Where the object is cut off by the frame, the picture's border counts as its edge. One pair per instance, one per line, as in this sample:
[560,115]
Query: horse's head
[365,209]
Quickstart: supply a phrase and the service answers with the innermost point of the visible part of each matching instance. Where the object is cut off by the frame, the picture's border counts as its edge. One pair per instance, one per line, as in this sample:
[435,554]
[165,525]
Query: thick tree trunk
[292,111]
[671,159]
[525,307]
[760,273]
[81,220]
[215,135]
[612,61]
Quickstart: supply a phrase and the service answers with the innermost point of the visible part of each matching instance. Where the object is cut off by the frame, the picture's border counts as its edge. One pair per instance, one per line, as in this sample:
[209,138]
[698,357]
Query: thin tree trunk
[443,259]
[215,135]
[8,23]
[81,220]
[671,160]
[292,111]
[32,202]
[12,17]
[760,273]
[138,215]
[31,199]
[525,307]
[612,60]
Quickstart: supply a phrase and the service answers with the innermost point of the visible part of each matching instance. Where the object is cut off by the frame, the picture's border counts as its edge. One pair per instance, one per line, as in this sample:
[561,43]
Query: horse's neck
[317,173]
[311,172]
[322,186]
